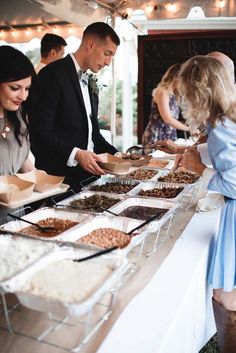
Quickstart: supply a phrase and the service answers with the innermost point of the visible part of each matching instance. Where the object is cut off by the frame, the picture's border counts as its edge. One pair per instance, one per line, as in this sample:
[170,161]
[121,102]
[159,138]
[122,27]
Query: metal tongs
[142,150]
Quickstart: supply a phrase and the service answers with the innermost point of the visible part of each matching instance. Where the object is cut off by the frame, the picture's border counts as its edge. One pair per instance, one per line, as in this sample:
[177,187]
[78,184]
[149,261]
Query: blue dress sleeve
[222,150]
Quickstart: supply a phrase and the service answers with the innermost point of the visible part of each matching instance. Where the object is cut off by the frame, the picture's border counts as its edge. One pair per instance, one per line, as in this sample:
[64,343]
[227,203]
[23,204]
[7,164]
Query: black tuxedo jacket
[58,120]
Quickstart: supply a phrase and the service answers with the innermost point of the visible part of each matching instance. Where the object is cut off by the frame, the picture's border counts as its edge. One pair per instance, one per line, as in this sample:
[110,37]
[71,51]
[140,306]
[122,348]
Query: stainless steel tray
[17,254]
[150,185]
[148,202]
[105,179]
[166,172]
[117,264]
[120,223]
[47,212]
[169,165]
[84,194]
[143,169]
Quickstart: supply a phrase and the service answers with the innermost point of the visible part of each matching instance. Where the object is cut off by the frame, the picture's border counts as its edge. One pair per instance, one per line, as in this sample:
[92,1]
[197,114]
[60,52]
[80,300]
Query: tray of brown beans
[179,177]
[167,191]
[143,208]
[62,221]
[91,201]
[105,231]
[112,185]
[142,174]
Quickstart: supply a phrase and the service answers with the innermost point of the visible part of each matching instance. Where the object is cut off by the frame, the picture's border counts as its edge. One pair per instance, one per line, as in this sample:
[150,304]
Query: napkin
[210,202]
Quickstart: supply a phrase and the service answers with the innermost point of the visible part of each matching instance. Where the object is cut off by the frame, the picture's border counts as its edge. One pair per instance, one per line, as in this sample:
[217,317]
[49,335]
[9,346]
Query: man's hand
[191,161]
[88,161]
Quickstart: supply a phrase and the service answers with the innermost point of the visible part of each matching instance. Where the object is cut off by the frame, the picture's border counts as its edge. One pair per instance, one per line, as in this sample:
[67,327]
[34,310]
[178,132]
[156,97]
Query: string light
[129,12]
[172,7]
[221,3]
[148,9]
[28,32]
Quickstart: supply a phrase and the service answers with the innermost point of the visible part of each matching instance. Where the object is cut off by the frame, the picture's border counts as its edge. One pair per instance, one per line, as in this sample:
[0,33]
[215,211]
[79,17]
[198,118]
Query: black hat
[14,65]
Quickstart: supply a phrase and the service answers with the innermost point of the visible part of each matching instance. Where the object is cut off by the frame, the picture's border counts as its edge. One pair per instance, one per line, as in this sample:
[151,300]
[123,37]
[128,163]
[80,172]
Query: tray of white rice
[63,286]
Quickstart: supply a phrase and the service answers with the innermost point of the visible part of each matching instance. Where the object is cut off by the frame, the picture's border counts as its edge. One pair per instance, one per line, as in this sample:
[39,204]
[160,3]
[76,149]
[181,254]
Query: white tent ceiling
[37,14]
[78,11]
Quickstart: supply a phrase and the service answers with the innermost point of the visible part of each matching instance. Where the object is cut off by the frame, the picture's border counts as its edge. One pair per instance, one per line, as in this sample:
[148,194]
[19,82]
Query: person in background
[52,48]
[64,126]
[195,156]
[210,100]
[164,115]
[16,73]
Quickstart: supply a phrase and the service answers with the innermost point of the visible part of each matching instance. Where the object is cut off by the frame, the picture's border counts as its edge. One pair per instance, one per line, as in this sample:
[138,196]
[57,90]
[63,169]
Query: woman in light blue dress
[209,98]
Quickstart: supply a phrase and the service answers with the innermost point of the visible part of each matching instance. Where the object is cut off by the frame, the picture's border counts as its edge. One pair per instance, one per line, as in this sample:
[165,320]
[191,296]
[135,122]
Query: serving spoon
[41,228]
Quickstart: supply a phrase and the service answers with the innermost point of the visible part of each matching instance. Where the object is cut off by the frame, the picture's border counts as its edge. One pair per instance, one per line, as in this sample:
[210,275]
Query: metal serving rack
[81,321]
[81,329]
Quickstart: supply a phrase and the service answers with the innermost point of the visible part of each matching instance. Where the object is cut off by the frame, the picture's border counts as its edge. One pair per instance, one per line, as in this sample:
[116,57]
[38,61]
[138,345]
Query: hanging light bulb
[171,7]
[221,3]
[148,9]
[129,12]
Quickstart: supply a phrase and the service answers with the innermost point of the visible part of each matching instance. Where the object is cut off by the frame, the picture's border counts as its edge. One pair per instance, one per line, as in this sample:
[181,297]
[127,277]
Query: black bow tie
[83,77]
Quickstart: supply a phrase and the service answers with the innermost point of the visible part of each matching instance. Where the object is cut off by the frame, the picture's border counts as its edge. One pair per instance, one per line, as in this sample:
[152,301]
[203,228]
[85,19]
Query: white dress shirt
[85,92]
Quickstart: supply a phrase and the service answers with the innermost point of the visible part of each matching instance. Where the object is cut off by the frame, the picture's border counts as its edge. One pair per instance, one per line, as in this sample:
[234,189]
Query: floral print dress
[157,129]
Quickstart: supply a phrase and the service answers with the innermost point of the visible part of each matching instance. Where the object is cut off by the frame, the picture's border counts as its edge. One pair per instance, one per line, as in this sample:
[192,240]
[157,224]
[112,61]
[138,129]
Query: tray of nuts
[91,201]
[178,177]
[142,174]
[105,232]
[112,185]
[167,191]
[61,220]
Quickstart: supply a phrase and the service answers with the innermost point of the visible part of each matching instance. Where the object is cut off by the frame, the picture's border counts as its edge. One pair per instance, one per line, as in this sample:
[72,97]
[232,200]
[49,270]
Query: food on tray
[167,193]
[95,203]
[116,187]
[179,177]
[142,174]
[157,163]
[106,238]
[8,188]
[141,212]
[60,224]
[17,253]
[68,281]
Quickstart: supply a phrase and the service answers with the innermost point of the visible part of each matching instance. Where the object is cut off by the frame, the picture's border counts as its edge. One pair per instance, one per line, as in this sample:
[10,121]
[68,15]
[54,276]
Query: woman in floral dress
[163,121]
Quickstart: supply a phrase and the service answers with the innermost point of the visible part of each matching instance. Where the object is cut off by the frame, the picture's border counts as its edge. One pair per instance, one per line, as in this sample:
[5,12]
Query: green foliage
[33,55]
[105,103]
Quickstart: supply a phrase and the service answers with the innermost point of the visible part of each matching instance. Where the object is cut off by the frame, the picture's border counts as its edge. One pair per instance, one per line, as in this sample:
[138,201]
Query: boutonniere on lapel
[94,85]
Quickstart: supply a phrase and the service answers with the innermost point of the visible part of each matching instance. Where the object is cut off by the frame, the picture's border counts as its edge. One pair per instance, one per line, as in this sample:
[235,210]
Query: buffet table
[164,307]
[173,312]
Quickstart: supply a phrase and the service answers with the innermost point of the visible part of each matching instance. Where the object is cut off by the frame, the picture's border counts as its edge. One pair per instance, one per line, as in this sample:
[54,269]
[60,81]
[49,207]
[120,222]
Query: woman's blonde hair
[207,92]
[169,76]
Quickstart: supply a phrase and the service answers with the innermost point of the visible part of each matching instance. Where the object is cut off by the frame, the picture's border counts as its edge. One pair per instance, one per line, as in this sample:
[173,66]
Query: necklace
[6,129]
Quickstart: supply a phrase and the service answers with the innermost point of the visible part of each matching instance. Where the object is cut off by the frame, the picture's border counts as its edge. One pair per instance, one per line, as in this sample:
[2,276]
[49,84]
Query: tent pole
[113,97]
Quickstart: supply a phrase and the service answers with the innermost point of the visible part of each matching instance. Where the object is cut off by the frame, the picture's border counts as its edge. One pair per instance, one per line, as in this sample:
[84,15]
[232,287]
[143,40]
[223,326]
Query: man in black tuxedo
[64,131]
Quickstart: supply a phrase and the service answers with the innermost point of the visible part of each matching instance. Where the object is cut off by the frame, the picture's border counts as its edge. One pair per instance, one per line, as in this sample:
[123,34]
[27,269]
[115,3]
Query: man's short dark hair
[102,30]
[51,41]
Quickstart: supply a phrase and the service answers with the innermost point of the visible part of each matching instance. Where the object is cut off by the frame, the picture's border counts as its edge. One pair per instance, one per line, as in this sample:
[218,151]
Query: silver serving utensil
[68,207]
[41,228]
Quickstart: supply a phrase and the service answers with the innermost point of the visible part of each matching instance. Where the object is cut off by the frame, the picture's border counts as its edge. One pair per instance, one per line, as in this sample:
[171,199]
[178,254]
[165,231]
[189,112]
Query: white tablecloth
[173,313]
